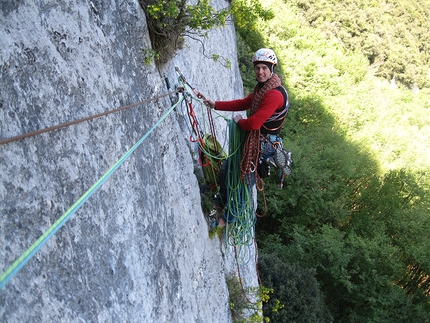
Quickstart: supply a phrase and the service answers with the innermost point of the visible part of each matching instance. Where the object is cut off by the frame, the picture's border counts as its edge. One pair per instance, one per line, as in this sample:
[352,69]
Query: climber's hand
[210,103]
[237,118]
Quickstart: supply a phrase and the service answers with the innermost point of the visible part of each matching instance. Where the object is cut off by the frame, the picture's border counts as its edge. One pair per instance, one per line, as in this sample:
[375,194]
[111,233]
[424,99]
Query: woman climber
[268,106]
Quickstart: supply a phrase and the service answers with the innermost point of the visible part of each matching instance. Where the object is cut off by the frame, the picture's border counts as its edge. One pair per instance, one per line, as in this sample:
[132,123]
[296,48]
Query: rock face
[138,249]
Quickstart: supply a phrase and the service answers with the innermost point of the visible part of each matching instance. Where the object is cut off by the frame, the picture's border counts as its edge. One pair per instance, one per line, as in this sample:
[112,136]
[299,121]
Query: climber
[268,106]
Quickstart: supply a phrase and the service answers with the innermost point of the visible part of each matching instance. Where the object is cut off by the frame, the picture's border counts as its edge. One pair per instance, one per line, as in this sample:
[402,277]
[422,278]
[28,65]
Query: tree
[357,275]
[296,296]
[391,34]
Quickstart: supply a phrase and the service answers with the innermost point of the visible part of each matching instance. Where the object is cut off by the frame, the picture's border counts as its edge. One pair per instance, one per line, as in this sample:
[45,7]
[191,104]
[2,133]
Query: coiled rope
[239,201]
[240,204]
[28,254]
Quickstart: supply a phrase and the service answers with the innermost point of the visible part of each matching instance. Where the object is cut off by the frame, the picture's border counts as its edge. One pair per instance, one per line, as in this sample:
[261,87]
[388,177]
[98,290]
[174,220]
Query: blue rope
[28,254]
[239,210]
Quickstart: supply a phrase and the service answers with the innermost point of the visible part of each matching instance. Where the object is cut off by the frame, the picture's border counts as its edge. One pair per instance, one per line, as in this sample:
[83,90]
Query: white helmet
[265,55]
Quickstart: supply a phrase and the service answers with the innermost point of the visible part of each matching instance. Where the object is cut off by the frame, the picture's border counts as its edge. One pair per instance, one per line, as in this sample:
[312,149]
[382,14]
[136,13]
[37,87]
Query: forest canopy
[356,209]
[393,35]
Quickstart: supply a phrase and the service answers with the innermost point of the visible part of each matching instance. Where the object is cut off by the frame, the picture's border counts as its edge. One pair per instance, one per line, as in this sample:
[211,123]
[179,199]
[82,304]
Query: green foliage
[392,35]
[296,296]
[247,14]
[242,308]
[357,275]
[149,54]
[224,61]
[400,213]
[356,208]
[169,21]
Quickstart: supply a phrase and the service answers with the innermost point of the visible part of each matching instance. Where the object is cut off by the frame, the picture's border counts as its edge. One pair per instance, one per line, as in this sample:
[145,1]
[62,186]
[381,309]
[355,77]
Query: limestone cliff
[138,249]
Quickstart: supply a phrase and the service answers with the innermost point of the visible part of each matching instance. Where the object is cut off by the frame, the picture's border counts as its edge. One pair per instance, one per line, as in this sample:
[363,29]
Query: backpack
[211,158]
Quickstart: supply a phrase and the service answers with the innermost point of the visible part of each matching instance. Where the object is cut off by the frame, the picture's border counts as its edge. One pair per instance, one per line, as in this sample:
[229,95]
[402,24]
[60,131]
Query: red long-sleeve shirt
[271,101]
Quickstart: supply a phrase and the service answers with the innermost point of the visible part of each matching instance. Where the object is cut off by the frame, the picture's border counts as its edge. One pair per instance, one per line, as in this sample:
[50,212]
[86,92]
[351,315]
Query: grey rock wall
[138,249]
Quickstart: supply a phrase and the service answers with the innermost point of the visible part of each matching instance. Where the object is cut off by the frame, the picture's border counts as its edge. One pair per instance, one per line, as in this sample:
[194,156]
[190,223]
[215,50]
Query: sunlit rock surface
[138,249]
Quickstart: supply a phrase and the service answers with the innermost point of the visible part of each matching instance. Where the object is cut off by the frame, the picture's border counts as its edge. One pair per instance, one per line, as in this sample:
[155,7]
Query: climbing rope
[240,208]
[67,124]
[239,202]
[28,254]
[202,127]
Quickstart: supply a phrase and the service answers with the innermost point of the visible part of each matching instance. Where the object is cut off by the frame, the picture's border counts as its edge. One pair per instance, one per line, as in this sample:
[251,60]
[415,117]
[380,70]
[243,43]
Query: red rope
[240,276]
[194,124]
[67,124]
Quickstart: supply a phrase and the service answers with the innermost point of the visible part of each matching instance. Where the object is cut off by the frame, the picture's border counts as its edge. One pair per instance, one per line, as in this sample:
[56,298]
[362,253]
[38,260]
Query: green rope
[28,254]
[202,120]
[239,203]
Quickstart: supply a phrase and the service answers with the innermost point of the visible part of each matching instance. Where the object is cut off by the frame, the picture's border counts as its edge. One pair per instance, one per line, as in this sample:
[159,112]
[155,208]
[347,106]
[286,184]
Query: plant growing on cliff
[242,309]
[169,21]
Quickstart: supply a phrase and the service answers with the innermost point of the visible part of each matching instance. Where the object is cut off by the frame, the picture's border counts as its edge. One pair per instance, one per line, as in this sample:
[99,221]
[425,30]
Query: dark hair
[269,65]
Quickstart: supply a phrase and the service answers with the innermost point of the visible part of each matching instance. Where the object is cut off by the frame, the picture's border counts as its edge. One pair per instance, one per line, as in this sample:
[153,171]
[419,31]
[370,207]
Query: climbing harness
[277,119]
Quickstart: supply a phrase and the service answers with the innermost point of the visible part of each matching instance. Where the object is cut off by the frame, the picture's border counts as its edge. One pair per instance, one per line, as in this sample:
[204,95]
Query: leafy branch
[169,21]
